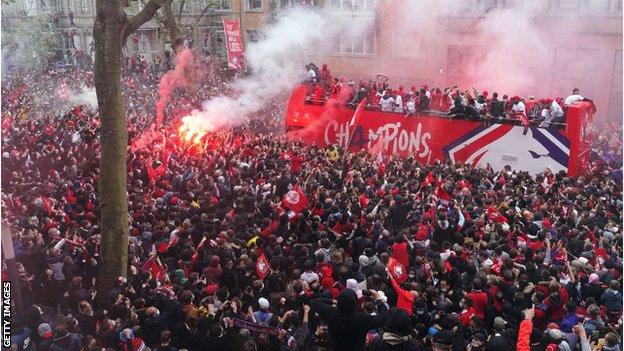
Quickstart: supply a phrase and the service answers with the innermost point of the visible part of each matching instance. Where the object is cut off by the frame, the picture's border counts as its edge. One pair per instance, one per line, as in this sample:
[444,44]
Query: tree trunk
[110,31]
[169,21]
[108,41]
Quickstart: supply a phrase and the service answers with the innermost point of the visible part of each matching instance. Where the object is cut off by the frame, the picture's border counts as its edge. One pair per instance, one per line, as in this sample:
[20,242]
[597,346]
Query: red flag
[397,270]
[47,204]
[153,266]
[358,112]
[154,173]
[442,195]
[429,179]
[165,245]
[263,266]
[295,200]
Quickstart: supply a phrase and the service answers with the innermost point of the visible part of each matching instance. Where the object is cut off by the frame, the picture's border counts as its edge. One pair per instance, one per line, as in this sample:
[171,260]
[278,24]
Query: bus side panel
[427,138]
[578,118]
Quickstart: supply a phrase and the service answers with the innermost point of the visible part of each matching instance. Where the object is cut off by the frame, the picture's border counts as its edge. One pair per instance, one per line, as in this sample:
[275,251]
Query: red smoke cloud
[183,75]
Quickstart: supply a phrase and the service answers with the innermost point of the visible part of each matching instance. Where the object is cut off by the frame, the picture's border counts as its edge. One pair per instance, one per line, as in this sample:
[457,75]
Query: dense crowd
[247,241]
[451,101]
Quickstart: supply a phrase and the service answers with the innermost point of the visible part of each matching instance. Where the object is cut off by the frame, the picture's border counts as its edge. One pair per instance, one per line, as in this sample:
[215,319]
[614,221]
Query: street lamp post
[9,257]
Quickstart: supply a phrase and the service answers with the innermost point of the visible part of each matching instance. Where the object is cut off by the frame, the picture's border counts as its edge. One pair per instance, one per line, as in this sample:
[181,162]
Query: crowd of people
[450,101]
[249,241]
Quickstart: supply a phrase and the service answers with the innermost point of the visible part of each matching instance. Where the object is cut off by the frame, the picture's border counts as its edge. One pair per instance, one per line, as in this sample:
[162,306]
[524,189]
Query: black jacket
[500,342]
[348,327]
[380,345]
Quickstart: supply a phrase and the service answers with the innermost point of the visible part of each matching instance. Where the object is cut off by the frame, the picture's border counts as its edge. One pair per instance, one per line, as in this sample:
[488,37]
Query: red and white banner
[397,270]
[428,137]
[234,44]
[263,267]
[295,200]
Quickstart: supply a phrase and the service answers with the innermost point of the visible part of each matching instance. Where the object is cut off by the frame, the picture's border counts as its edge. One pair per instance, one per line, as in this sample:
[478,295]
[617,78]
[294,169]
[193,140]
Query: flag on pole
[441,194]
[153,266]
[263,266]
[358,112]
[429,179]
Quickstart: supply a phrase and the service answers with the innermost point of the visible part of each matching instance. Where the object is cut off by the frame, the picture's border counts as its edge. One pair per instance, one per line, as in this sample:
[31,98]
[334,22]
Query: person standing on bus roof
[410,106]
[387,102]
[573,98]
[398,102]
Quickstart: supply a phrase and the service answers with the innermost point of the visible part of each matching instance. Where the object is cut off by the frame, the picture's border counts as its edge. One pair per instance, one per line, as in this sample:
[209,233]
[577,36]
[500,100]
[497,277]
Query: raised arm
[322,307]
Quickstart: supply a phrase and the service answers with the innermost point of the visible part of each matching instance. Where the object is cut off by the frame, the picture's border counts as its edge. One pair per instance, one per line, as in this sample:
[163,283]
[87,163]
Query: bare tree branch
[157,16]
[180,11]
[142,17]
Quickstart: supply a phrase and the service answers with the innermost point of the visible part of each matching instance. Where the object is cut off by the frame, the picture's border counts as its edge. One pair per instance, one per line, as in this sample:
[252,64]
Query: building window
[599,5]
[353,5]
[569,5]
[254,5]
[286,3]
[254,35]
[41,6]
[86,7]
[362,45]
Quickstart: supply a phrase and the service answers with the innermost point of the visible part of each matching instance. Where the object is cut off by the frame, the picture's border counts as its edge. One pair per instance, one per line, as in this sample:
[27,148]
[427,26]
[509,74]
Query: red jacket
[405,298]
[399,253]
[479,302]
[524,336]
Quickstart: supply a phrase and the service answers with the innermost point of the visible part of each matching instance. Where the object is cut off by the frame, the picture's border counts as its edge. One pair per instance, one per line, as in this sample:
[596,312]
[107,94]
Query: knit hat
[264,303]
[126,334]
[499,323]
[45,331]
[363,260]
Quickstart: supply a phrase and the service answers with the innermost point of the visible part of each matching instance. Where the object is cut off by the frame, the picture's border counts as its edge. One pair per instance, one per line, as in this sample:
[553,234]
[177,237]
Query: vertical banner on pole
[234,44]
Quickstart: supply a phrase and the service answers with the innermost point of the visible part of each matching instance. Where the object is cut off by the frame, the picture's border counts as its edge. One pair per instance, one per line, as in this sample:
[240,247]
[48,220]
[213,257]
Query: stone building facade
[587,52]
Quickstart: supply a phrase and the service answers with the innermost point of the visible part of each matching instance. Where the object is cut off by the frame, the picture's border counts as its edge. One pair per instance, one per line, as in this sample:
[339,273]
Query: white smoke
[517,57]
[276,64]
[86,96]
[510,47]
